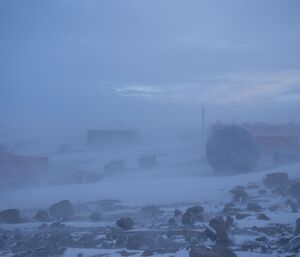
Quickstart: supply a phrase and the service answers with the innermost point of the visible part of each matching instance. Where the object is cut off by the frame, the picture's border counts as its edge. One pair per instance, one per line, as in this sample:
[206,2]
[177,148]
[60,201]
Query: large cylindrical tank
[232,149]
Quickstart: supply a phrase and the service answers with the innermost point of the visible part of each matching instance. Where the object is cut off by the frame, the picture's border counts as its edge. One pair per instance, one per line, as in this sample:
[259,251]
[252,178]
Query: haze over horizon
[146,64]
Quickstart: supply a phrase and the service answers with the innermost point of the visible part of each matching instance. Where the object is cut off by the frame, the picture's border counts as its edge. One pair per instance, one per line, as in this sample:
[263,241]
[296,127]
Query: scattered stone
[239,194]
[254,206]
[10,216]
[95,216]
[62,210]
[230,208]
[262,216]
[57,226]
[126,253]
[292,247]
[125,223]
[42,216]
[277,179]
[229,222]
[241,216]
[261,239]
[219,225]
[192,215]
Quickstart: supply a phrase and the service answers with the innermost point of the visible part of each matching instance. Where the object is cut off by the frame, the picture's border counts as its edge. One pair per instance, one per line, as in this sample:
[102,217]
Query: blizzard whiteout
[149,128]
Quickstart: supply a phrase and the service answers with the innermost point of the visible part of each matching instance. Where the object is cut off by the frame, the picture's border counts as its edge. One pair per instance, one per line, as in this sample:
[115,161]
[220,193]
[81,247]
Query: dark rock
[254,206]
[95,216]
[10,216]
[126,253]
[292,247]
[295,190]
[277,179]
[239,194]
[42,216]
[261,239]
[210,233]
[241,216]
[219,225]
[57,226]
[262,216]
[230,208]
[177,213]
[125,223]
[62,210]
[192,215]
[229,222]
[215,252]
[297,229]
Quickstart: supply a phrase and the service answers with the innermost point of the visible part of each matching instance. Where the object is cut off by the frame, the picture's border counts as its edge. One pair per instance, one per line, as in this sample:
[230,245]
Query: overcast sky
[139,62]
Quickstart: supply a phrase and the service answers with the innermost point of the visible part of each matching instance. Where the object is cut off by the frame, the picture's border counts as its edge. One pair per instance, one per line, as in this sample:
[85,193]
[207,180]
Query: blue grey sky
[127,63]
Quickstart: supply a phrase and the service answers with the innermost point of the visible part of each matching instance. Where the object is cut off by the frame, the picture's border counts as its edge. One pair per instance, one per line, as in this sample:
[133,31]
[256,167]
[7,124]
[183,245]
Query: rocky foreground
[261,219]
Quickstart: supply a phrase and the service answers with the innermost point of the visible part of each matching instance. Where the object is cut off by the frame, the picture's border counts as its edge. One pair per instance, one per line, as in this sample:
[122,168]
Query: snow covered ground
[180,179]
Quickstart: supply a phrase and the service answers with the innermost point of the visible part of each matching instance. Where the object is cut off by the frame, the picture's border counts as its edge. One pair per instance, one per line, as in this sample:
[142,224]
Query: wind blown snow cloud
[224,89]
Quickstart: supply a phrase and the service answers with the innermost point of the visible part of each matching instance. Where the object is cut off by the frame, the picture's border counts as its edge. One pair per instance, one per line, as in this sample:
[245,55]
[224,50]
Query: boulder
[220,226]
[125,223]
[239,194]
[10,216]
[254,206]
[42,216]
[177,213]
[277,179]
[62,210]
[192,215]
[241,216]
[262,216]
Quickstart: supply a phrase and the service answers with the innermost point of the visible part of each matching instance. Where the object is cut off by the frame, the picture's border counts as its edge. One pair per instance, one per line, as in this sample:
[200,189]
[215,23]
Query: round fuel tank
[232,149]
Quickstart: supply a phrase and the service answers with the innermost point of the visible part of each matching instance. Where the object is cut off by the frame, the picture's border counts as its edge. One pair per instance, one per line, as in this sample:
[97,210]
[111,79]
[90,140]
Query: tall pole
[203,125]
